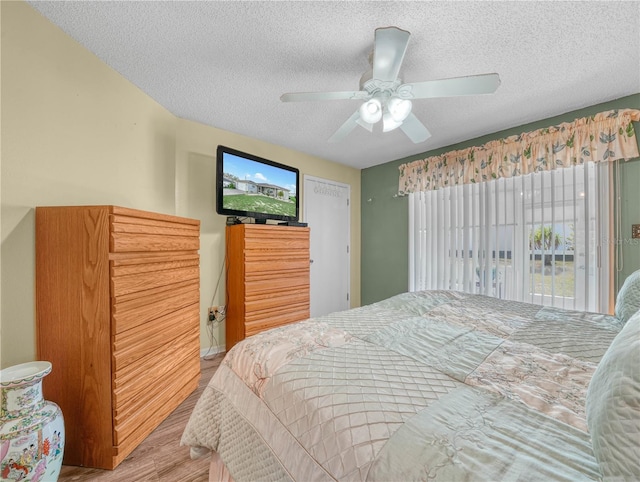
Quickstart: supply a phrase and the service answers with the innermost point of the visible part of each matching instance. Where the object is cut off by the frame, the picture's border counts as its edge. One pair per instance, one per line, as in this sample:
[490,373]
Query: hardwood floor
[159,457]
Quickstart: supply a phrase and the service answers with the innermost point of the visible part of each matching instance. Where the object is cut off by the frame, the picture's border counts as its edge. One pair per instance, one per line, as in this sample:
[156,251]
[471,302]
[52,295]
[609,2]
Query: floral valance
[606,136]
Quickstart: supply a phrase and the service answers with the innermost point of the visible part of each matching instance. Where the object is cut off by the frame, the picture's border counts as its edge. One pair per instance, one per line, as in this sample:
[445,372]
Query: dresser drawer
[276,244]
[136,343]
[141,274]
[261,283]
[135,309]
[255,264]
[172,399]
[135,383]
[275,237]
[125,242]
[276,318]
[136,417]
[260,305]
[143,235]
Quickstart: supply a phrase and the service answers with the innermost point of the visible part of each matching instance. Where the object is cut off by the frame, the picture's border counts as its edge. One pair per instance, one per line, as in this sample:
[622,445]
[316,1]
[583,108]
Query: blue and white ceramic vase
[32,429]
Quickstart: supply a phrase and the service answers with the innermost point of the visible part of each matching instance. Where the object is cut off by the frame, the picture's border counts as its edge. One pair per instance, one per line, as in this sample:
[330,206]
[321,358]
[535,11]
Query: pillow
[628,299]
[613,406]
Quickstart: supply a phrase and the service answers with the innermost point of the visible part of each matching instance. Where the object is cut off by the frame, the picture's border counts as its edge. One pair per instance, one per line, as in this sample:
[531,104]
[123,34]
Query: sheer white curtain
[543,238]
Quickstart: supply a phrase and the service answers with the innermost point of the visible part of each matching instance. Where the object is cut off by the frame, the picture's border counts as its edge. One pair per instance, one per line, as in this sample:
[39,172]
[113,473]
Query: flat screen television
[253,187]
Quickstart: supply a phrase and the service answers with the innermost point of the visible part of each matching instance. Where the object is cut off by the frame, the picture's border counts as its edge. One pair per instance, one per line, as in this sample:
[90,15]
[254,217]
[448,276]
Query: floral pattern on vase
[32,429]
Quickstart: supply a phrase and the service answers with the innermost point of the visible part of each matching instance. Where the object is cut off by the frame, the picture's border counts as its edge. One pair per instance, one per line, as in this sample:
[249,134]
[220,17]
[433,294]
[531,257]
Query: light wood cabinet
[267,278]
[117,314]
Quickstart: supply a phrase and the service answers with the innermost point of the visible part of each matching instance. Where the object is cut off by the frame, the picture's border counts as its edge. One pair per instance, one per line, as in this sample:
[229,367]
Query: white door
[326,210]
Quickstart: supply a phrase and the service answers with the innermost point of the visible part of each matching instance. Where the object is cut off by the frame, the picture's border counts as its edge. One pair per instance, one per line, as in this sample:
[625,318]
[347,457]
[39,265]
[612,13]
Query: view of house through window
[542,238]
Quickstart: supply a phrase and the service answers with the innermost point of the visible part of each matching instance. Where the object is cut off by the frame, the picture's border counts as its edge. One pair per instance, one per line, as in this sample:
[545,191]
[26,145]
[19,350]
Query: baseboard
[214,350]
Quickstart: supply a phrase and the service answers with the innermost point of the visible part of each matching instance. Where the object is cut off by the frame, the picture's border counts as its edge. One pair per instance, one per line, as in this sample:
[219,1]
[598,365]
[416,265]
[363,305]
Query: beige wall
[75,132]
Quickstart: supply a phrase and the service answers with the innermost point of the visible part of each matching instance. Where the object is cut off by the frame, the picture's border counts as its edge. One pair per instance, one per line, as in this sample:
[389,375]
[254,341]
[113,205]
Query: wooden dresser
[267,278]
[117,314]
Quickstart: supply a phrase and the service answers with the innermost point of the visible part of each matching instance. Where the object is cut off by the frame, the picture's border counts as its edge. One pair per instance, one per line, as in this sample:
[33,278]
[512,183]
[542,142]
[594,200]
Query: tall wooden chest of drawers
[117,314]
[267,278]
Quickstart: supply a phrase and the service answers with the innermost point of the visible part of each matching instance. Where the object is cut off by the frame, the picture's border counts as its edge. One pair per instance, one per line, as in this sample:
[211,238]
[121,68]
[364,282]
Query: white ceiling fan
[387,98]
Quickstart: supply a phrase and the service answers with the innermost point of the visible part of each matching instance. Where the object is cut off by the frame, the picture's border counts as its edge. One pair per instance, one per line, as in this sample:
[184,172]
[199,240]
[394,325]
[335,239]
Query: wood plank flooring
[159,458]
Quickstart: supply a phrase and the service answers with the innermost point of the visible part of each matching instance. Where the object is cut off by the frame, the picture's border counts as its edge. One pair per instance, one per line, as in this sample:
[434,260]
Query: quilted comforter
[434,385]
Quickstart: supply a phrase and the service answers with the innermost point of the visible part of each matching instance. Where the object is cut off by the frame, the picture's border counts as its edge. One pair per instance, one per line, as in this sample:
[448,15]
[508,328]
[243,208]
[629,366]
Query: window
[541,238]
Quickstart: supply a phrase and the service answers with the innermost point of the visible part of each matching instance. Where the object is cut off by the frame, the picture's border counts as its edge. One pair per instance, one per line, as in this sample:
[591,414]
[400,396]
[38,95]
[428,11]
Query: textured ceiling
[225,64]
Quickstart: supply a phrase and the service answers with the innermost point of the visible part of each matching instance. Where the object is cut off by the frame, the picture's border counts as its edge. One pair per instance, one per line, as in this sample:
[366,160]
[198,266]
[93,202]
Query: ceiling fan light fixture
[399,109]
[371,111]
[389,123]
[385,97]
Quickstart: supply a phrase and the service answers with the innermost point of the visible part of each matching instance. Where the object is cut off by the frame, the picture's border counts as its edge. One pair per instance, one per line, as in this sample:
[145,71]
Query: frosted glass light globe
[371,111]
[399,108]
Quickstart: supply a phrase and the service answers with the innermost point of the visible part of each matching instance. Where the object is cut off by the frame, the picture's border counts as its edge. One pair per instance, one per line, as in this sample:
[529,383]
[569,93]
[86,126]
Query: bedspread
[434,385]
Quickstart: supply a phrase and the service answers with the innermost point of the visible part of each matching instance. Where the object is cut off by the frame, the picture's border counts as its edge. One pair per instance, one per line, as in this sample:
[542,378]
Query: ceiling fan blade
[389,48]
[364,123]
[471,85]
[414,129]
[345,128]
[307,96]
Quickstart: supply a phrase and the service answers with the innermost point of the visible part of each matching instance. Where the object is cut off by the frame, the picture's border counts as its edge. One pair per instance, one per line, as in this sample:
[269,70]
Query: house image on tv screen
[252,187]
[252,196]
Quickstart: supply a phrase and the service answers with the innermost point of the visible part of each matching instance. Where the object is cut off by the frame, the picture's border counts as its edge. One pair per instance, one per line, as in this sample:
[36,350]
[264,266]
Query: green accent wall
[630,210]
[384,250]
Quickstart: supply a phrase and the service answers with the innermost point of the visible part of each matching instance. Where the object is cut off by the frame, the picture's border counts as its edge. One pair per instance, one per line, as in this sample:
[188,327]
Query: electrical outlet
[215,313]
[212,314]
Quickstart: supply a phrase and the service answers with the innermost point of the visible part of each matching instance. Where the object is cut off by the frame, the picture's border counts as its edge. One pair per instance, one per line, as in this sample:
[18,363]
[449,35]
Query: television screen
[250,186]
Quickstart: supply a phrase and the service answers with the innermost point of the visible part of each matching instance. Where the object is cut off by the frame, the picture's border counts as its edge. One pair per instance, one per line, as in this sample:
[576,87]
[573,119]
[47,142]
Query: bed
[432,385]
